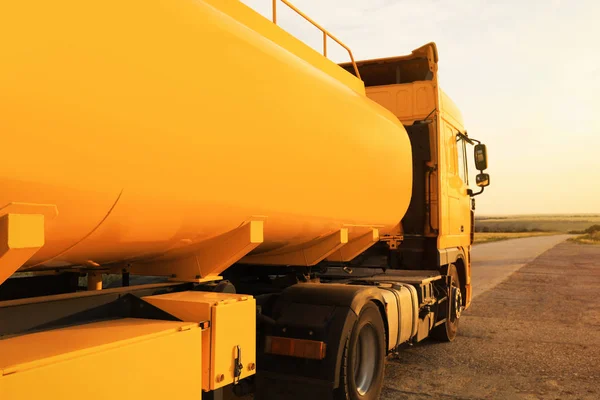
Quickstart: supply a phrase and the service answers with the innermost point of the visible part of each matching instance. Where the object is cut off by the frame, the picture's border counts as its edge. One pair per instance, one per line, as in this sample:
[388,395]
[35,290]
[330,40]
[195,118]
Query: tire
[448,330]
[363,361]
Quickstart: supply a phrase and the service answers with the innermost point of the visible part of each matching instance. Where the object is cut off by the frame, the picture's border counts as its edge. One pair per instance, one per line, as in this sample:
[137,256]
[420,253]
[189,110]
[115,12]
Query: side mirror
[480,157]
[482,180]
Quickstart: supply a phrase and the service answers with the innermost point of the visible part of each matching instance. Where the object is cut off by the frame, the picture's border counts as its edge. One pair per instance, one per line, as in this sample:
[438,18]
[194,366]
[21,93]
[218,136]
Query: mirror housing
[481,157]
[482,180]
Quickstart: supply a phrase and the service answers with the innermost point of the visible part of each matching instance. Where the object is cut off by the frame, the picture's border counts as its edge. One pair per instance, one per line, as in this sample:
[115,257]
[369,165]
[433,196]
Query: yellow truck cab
[437,229]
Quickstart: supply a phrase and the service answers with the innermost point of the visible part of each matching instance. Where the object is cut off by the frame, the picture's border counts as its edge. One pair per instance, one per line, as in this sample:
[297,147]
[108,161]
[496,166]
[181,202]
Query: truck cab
[437,229]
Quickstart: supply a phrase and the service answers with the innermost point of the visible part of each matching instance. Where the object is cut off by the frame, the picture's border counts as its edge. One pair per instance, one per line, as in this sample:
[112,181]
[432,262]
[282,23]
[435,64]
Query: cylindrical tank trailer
[175,124]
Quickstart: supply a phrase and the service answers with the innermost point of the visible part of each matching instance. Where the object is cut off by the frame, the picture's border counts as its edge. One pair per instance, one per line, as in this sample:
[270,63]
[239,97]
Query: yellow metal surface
[155,126]
[160,359]
[208,258]
[409,101]
[361,241]
[232,324]
[450,111]
[306,255]
[21,236]
[456,205]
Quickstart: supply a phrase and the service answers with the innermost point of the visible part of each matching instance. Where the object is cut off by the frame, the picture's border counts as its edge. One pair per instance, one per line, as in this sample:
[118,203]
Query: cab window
[462,160]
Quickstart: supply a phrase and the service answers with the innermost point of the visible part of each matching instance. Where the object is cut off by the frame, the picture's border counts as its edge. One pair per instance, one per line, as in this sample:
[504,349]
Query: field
[481,237]
[536,223]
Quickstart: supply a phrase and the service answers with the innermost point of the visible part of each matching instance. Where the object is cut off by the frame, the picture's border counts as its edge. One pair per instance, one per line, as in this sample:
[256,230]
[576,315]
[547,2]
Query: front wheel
[447,331]
[363,362]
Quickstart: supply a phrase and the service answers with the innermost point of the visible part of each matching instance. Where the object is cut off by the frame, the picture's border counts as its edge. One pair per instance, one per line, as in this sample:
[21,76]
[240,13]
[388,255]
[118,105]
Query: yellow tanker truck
[278,223]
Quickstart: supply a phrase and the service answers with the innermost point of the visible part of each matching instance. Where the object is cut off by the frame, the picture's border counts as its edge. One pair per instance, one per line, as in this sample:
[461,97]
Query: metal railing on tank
[325,32]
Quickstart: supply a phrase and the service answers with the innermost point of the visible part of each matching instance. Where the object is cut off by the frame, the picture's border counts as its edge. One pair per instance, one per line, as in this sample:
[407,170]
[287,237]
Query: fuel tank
[155,126]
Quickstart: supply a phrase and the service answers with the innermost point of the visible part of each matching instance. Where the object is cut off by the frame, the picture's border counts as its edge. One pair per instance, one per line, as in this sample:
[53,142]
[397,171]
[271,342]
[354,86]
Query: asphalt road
[531,333]
[494,262]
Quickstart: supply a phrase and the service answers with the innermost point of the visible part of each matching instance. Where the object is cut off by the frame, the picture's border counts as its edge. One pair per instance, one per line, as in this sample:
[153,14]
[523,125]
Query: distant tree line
[590,230]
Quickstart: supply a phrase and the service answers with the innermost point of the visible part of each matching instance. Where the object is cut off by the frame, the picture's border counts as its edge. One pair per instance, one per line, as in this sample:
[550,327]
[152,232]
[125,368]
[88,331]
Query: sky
[525,74]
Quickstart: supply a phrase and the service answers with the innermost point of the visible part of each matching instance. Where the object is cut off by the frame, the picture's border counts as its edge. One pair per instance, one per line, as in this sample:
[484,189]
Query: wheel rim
[457,306]
[365,360]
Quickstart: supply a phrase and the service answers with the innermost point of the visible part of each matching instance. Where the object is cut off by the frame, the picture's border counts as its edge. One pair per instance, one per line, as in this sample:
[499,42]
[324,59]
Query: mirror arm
[467,139]
[470,192]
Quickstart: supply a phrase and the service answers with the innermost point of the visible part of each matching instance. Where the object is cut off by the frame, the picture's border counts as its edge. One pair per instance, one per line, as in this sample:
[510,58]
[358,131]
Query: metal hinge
[204,325]
[393,241]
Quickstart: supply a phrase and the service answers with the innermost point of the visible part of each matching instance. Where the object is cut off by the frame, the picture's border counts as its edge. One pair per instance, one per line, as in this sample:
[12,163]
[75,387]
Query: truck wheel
[363,361]
[447,331]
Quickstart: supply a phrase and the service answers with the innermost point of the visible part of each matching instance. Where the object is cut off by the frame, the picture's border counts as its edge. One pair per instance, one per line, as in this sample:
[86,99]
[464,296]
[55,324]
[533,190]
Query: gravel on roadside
[534,336]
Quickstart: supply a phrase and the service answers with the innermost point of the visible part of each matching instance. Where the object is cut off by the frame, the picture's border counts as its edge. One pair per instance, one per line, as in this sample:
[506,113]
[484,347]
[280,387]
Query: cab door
[464,200]
[458,218]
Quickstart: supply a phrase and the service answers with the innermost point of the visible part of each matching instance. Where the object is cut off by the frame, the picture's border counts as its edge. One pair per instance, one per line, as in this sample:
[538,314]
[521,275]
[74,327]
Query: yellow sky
[526,75]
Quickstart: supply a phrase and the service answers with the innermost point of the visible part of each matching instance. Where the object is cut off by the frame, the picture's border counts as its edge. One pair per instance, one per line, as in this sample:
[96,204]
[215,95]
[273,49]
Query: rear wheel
[447,331]
[361,373]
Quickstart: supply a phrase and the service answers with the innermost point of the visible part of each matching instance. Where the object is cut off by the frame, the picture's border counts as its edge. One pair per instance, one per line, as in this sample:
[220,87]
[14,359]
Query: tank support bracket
[307,255]
[355,246]
[21,234]
[207,259]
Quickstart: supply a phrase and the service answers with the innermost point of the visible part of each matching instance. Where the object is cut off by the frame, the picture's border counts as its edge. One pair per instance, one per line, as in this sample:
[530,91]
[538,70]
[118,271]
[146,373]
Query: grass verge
[590,238]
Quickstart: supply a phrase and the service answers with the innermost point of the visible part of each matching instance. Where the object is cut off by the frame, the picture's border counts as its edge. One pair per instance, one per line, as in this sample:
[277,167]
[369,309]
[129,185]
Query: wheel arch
[461,268]
[458,258]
